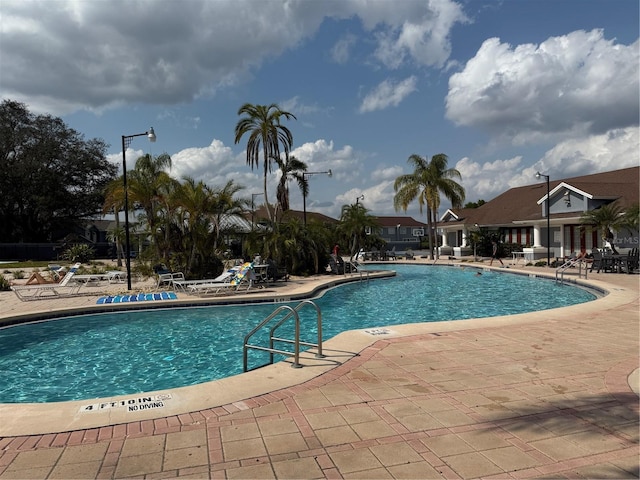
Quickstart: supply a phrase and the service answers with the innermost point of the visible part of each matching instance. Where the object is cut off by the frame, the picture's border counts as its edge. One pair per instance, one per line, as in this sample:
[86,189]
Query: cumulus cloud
[573,84]
[424,39]
[98,55]
[388,94]
[612,150]
[215,165]
[489,179]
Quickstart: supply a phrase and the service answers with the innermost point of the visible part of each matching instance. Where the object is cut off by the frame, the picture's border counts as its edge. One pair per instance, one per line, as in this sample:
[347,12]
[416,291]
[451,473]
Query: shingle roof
[404,221]
[520,203]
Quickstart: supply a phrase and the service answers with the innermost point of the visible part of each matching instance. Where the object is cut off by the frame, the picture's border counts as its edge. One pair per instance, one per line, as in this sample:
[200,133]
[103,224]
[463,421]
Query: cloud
[388,94]
[98,55]
[574,157]
[424,39]
[574,84]
[489,179]
[215,165]
[341,51]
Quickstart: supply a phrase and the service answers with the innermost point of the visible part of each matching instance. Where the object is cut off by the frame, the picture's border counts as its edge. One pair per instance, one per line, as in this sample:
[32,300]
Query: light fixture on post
[361,197]
[548,213]
[126,141]
[304,196]
[253,196]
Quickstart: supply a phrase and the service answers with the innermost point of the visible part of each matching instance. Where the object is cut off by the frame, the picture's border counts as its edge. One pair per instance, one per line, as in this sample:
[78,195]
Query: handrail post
[296,345]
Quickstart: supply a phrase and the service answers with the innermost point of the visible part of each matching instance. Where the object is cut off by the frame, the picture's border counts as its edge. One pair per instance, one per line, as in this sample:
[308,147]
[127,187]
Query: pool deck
[550,394]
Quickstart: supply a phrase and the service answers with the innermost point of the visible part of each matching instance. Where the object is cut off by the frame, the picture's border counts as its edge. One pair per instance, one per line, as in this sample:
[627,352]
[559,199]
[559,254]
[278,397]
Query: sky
[503,88]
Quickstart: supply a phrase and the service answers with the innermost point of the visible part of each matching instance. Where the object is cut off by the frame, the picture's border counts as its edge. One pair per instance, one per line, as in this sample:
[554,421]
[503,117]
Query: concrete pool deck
[541,395]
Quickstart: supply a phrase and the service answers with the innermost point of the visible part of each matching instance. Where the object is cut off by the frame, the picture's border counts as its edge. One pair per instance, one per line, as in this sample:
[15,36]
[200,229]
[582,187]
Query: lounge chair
[192,285]
[244,275]
[65,288]
[166,277]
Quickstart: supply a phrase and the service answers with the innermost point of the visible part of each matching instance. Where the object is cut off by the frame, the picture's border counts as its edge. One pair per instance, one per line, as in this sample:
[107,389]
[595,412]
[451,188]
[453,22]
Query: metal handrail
[318,323]
[292,312]
[568,264]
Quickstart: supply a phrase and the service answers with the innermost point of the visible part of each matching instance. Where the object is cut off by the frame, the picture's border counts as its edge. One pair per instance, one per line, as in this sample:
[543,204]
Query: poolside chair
[243,275]
[50,290]
[194,286]
[166,277]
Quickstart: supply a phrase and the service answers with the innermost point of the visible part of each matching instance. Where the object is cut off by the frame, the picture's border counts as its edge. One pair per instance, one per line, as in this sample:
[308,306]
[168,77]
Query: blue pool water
[93,356]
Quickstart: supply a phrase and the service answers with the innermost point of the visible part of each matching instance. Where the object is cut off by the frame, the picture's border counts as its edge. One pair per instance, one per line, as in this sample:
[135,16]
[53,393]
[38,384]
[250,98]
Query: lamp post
[126,141]
[304,196]
[253,196]
[361,197]
[538,175]
[475,245]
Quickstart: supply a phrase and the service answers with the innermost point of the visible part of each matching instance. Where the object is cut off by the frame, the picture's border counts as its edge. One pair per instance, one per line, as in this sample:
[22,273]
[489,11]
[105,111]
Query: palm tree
[608,219]
[631,217]
[354,221]
[442,181]
[194,200]
[291,168]
[426,183]
[266,134]
[113,202]
[150,188]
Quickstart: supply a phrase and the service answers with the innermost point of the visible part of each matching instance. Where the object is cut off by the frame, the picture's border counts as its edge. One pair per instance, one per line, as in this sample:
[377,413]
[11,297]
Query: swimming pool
[93,356]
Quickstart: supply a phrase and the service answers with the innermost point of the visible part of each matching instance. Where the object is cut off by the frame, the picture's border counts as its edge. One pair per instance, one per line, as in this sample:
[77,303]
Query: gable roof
[522,204]
[404,221]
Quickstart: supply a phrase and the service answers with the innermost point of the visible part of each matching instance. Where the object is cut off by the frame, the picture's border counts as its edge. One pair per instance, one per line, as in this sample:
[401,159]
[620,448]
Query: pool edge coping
[33,419]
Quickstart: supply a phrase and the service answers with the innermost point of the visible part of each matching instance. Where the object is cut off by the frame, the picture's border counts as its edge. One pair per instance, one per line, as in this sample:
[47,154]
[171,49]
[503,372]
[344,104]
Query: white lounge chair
[244,275]
[65,288]
[186,285]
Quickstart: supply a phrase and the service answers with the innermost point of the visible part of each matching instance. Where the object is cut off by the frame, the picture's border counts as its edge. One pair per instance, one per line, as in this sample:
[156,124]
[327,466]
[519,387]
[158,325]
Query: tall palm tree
[150,187]
[608,219]
[354,221]
[266,136]
[427,181]
[194,199]
[291,168]
[442,181]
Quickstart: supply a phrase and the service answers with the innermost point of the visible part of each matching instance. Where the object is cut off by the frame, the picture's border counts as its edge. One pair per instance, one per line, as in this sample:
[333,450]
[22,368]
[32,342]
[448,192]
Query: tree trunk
[430,233]
[118,243]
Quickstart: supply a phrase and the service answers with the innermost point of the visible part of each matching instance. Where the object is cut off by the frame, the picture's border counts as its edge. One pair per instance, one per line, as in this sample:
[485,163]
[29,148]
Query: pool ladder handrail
[568,264]
[293,312]
[358,267]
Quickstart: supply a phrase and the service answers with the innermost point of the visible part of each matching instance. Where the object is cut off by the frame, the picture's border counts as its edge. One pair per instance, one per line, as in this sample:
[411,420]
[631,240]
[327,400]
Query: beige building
[519,215]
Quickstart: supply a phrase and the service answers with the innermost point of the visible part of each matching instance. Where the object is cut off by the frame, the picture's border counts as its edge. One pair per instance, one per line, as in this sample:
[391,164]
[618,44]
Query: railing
[570,264]
[292,312]
[355,266]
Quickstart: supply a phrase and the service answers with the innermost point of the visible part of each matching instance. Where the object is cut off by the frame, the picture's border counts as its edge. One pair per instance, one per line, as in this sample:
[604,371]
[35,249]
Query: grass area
[27,264]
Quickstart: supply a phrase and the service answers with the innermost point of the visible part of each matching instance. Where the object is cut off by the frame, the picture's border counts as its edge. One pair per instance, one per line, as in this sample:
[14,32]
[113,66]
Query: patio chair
[632,261]
[601,262]
[243,275]
[50,290]
[165,276]
[205,283]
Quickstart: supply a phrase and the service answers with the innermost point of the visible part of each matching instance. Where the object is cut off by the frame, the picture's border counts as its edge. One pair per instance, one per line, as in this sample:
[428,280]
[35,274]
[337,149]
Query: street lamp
[548,212]
[253,196]
[304,196]
[361,197]
[126,141]
[475,245]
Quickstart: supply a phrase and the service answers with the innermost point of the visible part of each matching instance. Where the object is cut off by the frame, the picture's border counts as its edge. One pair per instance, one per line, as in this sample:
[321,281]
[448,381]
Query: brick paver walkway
[549,399]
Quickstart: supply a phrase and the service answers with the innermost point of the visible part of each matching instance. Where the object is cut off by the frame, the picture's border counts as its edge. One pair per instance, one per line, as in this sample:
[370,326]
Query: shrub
[79,252]
[4,284]
[18,274]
